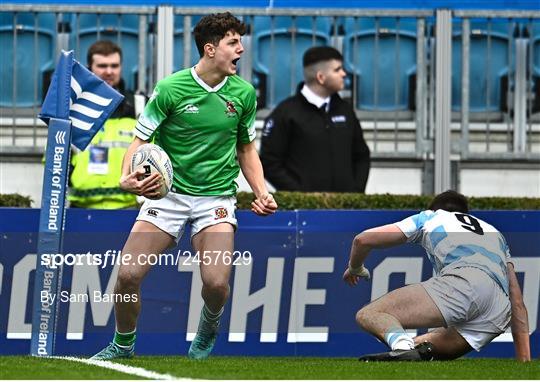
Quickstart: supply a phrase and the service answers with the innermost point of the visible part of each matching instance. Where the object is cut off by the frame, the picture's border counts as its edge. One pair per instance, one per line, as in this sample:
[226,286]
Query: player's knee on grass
[444,354]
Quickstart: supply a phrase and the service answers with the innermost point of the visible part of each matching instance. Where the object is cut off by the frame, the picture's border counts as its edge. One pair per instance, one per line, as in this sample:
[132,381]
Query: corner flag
[76,106]
[79,95]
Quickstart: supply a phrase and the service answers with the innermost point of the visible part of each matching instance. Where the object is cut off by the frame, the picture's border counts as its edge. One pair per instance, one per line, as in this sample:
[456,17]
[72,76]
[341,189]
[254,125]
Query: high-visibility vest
[97,170]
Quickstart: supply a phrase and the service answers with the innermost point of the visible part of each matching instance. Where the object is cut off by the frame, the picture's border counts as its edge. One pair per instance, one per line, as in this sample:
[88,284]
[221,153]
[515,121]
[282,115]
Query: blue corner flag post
[76,106]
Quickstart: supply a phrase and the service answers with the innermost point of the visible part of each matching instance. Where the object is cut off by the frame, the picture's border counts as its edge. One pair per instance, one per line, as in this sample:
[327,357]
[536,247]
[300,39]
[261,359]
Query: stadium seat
[178,60]
[33,56]
[533,32]
[121,29]
[490,67]
[278,46]
[534,35]
[380,56]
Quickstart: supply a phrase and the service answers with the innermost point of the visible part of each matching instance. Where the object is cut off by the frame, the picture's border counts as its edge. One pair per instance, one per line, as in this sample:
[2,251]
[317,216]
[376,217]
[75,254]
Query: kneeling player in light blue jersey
[473,297]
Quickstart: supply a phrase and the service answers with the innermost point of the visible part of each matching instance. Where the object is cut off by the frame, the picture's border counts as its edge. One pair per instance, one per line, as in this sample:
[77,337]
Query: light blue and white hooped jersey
[455,240]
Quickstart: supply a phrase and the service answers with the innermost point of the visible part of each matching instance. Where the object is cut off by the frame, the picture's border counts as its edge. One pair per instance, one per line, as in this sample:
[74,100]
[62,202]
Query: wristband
[359,271]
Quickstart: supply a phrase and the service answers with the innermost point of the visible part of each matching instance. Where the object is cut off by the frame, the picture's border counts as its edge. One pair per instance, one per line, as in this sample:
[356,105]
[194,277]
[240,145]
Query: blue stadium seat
[33,56]
[278,46]
[178,60]
[534,35]
[121,29]
[489,67]
[534,47]
[371,52]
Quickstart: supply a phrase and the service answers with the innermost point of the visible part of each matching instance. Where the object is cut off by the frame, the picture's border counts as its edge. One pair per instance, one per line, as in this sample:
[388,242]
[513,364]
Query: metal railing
[21,131]
[510,129]
[402,110]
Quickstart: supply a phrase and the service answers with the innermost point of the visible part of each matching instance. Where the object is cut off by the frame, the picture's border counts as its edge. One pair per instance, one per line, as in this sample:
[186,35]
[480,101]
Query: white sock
[399,340]
[404,343]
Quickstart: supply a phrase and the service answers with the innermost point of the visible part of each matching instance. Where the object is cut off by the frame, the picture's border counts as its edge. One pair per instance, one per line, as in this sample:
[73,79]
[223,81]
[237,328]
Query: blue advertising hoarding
[287,296]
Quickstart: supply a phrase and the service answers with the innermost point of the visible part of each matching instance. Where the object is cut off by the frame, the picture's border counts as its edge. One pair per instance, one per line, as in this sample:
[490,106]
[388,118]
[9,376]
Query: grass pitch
[25,367]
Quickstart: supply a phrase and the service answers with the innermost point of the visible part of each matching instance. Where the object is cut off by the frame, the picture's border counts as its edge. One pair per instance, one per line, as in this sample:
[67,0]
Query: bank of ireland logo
[90,105]
[78,95]
[60,137]
[231,110]
[91,102]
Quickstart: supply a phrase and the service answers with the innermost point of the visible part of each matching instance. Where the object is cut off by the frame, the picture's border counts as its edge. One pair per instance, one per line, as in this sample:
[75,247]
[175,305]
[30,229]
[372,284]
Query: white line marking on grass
[138,371]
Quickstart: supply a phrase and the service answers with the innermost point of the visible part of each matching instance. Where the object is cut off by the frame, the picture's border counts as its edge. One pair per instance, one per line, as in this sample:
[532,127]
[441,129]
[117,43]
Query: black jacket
[127,106]
[306,149]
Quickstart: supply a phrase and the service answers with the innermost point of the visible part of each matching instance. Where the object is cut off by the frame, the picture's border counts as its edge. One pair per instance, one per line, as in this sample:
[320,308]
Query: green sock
[125,340]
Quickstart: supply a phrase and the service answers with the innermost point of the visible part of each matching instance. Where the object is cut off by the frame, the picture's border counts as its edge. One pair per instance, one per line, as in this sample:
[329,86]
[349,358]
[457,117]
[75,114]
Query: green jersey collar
[204,85]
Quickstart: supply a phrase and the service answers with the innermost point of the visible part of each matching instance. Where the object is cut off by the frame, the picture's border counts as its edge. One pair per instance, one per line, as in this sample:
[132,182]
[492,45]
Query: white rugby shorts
[471,302]
[171,213]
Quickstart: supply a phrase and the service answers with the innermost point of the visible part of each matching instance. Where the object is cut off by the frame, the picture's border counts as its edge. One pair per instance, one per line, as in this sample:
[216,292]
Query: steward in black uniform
[308,149]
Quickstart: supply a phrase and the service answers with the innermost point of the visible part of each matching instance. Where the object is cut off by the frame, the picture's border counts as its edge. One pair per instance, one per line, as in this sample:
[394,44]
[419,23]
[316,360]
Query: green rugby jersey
[199,127]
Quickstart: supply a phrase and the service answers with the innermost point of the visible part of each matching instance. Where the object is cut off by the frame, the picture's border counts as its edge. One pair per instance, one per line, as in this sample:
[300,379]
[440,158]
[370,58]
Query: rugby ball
[152,158]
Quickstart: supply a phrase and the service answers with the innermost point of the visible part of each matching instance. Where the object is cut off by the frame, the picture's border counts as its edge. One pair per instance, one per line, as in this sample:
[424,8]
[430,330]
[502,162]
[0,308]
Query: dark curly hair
[212,28]
[450,201]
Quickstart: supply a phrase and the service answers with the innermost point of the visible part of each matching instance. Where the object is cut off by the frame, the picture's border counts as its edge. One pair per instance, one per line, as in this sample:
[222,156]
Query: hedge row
[14,200]
[336,201]
[316,201]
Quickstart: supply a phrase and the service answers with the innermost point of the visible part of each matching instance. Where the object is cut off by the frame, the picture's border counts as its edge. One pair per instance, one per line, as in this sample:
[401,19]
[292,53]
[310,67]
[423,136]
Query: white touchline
[138,371]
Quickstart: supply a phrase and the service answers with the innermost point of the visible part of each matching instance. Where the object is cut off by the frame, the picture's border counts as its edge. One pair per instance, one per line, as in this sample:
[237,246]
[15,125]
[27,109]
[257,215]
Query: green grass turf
[26,367]
[274,368]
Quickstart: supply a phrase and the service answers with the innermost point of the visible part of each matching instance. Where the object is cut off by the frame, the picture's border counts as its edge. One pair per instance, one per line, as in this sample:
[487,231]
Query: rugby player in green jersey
[203,117]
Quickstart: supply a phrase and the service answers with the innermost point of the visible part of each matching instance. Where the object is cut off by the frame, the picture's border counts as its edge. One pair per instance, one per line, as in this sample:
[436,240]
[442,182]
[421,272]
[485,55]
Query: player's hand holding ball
[150,174]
